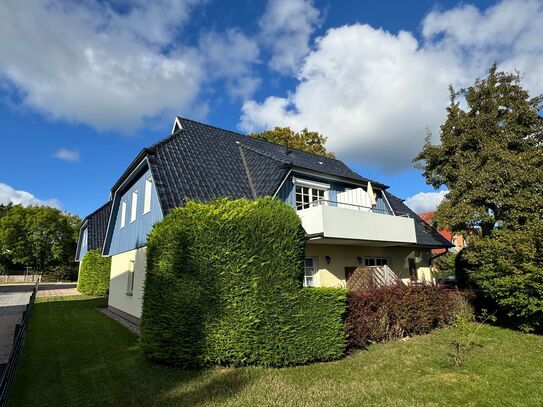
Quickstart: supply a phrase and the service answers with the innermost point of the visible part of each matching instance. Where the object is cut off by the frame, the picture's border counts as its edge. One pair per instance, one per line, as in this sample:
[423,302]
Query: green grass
[75,356]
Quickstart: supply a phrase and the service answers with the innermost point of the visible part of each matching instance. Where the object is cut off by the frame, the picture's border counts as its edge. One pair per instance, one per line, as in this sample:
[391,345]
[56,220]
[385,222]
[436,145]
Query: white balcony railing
[335,220]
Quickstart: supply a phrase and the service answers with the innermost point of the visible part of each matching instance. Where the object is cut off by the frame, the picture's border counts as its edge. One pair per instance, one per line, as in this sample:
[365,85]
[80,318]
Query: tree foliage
[305,140]
[38,236]
[490,157]
[509,268]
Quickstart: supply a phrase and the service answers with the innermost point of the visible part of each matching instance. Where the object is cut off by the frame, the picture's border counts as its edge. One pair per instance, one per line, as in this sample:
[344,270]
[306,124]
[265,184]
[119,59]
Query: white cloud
[11,195]
[88,63]
[374,93]
[425,201]
[231,56]
[67,155]
[286,27]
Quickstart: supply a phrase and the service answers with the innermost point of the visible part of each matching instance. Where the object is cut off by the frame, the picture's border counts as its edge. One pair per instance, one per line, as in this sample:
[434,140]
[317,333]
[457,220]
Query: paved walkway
[57,289]
[13,300]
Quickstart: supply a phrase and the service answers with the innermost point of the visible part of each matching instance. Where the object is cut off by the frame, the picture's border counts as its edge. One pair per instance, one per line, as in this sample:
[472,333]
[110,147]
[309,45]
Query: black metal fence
[8,374]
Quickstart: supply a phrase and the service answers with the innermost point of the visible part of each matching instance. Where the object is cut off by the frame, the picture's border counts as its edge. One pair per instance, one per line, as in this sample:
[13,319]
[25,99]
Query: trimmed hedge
[223,286]
[395,312]
[94,274]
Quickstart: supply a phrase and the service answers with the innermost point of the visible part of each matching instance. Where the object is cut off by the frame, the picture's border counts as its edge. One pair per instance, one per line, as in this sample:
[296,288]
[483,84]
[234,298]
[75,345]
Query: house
[350,220]
[457,240]
[93,231]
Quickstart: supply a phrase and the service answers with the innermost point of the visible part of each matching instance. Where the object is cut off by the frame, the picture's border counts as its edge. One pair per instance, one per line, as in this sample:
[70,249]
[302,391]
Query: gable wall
[134,234]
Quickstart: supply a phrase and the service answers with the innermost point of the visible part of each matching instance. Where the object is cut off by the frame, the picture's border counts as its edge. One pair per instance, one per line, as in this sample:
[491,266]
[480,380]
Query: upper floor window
[309,193]
[85,237]
[147,196]
[123,214]
[134,206]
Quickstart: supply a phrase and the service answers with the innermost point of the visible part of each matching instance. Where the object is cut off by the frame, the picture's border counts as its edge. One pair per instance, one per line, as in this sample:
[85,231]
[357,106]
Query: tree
[508,267]
[490,157]
[305,140]
[39,237]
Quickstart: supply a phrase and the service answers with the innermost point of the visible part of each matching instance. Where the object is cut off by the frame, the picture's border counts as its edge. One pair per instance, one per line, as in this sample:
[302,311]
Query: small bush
[94,274]
[395,312]
[223,286]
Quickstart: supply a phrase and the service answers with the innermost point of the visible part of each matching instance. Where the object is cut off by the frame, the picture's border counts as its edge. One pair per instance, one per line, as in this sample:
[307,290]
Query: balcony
[344,223]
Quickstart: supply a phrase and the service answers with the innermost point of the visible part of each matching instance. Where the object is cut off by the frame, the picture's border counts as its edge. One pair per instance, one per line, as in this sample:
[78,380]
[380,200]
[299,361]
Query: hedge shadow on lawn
[223,287]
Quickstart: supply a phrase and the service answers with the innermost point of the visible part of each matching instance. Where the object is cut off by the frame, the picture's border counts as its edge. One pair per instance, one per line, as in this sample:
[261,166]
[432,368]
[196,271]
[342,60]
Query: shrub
[67,272]
[94,274]
[508,268]
[223,286]
[395,312]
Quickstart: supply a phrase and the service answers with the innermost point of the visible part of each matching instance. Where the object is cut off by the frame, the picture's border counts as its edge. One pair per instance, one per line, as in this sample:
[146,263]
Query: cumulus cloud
[90,63]
[10,195]
[67,155]
[231,56]
[286,27]
[374,93]
[425,201]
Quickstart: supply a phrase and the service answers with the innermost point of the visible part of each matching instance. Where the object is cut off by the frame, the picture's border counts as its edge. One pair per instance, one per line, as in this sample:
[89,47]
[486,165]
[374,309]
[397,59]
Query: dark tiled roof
[97,226]
[426,235]
[205,162]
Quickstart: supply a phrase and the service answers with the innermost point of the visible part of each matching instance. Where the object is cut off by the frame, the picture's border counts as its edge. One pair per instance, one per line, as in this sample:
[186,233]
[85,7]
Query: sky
[85,85]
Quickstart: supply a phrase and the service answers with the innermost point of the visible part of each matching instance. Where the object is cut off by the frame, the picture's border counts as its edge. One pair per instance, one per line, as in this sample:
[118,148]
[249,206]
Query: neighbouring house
[351,222]
[457,240]
[93,231]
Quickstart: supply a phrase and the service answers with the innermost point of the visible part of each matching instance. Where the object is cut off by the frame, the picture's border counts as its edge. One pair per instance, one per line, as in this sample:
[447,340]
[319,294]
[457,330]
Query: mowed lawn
[76,356]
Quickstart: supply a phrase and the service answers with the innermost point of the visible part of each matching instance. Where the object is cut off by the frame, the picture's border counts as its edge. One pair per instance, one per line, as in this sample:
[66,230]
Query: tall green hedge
[94,274]
[223,286]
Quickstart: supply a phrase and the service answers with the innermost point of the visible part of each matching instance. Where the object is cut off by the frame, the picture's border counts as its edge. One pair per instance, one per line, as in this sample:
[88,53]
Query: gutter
[435,257]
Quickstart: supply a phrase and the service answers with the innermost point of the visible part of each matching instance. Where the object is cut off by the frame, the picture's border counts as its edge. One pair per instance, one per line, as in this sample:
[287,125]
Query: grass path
[76,356]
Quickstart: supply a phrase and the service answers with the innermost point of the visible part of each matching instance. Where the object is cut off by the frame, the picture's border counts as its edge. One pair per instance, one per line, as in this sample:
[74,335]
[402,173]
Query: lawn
[76,356]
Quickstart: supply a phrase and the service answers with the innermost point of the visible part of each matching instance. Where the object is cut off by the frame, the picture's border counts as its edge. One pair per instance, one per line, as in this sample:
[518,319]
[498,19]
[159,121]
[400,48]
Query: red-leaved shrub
[395,312]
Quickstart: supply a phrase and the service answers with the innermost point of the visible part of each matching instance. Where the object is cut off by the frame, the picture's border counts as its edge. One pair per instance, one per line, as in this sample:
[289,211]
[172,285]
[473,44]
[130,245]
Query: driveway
[57,289]
[13,301]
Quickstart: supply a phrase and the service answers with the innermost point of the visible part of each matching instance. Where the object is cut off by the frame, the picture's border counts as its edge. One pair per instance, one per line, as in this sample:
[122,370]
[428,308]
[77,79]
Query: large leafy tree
[490,157]
[305,140]
[39,237]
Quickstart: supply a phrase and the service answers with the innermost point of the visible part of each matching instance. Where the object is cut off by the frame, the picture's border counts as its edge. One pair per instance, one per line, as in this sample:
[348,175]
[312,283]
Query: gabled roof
[203,162]
[96,225]
[426,235]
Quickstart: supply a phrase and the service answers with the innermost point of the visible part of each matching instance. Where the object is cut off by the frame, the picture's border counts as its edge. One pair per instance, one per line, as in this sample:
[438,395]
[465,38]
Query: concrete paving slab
[13,301]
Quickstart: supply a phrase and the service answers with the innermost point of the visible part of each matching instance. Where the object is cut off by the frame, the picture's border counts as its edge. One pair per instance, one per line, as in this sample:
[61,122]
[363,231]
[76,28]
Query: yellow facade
[133,261]
[332,274]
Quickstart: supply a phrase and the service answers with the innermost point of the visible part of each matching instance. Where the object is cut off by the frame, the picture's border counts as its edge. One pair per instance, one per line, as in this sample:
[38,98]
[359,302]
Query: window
[306,195]
[85,237]
[310,269]
[130,278]
[123,214]
[308,192]
[375,261]
[147,196]
[134,206]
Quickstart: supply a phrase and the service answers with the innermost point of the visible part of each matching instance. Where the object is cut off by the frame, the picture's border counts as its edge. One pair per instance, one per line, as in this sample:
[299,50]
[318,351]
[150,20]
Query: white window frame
[312,187]
[147,195]
[130,277]
[134,206]
[375,259]
[85,239]
[123,213]
[313,274]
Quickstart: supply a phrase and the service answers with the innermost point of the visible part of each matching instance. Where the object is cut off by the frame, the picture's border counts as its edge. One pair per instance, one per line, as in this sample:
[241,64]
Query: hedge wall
[223,286]
[94,273]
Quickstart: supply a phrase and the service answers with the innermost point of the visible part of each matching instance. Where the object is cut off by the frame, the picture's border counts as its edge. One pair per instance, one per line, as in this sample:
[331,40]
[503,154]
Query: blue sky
[85,85]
